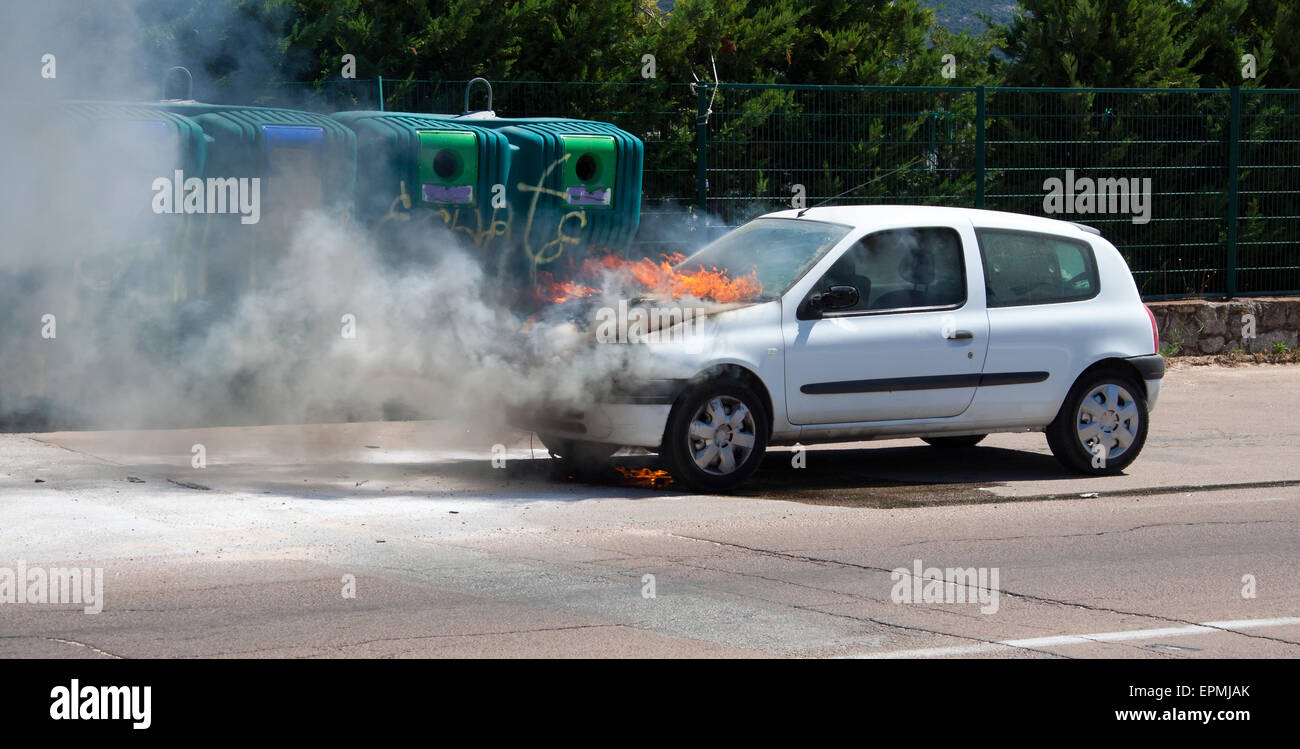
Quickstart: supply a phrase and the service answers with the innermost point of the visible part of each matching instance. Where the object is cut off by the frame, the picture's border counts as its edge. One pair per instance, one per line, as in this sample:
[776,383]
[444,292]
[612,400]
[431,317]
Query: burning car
[864,322]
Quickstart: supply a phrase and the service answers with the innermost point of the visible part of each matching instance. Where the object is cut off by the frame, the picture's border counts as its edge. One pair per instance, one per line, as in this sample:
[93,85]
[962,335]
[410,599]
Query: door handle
[960,335]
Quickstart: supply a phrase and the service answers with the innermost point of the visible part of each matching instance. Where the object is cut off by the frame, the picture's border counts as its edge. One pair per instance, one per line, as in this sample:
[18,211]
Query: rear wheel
[1102,426]
[716,436]
[968,440]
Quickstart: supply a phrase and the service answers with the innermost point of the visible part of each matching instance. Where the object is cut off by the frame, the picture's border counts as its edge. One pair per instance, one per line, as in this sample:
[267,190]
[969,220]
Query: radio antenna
[859,187]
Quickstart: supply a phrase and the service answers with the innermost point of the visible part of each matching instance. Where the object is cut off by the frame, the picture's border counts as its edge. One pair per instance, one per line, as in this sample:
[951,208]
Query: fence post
[979,147]
[1234,162]
[701,149]
[381,93]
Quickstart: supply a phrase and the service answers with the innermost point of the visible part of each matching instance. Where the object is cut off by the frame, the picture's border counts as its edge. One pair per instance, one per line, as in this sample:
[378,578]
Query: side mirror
[836,297]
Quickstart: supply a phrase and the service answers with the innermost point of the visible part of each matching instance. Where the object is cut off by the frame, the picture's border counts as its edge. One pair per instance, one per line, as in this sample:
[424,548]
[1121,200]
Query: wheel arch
[1107,364]
[736,372]
[1114,364]
[1062,432]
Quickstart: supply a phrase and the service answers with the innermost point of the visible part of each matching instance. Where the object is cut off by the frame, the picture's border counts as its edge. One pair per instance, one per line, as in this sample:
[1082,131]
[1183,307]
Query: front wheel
[716,436]
[1102,425]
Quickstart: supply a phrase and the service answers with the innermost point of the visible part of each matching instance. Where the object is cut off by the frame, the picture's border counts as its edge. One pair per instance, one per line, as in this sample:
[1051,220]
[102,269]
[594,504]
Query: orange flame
[662,278]
[551,290]
[648,478]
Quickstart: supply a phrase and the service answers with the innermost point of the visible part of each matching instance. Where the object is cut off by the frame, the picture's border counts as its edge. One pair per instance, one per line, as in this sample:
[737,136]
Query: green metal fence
[1223,165]
[1176,139]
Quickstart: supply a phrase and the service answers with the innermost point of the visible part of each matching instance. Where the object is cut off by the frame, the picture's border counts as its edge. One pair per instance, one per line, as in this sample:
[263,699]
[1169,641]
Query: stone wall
[1200,326]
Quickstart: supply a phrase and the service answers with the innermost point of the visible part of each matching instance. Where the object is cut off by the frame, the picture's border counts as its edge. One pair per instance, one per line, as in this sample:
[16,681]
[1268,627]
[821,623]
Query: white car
[884,322]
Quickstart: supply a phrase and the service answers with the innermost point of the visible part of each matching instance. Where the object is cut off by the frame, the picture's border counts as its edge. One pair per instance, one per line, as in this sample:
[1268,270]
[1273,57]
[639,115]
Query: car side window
[1022,268]
[901,269]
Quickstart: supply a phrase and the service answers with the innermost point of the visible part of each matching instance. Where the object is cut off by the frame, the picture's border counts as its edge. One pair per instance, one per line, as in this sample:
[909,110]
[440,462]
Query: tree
[459,39]
[1101,43]
[810,42]
[1229,29]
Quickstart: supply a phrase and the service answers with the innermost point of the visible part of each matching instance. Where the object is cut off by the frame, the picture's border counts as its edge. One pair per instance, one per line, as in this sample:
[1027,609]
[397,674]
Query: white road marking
[1059,640]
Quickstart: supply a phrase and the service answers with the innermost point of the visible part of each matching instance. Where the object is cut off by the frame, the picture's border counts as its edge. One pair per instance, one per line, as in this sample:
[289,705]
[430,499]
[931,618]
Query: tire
[711,452]
[1104,407]
[948,443]
[579,457]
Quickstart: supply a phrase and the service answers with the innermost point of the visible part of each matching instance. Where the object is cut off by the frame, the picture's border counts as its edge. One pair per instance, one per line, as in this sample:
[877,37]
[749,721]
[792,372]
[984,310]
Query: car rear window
[1022,268]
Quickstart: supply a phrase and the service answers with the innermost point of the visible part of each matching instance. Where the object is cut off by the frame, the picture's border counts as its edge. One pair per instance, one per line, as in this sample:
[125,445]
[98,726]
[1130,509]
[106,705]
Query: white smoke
[330,330]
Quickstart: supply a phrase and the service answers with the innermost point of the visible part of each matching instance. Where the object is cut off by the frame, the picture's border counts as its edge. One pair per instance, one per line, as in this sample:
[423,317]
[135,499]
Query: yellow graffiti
[484,230]
[561,239]
[393,214]
[495,226]
[450,217]
[541,257]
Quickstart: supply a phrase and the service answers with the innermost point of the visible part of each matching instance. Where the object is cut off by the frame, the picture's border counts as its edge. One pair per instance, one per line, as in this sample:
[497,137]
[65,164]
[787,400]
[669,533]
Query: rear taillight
[1155,334]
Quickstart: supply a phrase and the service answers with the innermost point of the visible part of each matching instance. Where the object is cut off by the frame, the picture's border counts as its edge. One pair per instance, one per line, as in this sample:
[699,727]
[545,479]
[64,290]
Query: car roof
[897,215]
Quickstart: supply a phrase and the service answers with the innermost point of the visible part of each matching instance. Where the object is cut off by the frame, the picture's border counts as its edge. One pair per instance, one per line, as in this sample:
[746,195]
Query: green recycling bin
[107,251]
[302,162]
[173,140]
[413,166]
[305,160]
[574,188]
[123,149]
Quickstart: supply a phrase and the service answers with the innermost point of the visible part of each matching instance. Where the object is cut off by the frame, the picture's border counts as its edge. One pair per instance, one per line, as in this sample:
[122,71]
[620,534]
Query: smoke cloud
[103,323]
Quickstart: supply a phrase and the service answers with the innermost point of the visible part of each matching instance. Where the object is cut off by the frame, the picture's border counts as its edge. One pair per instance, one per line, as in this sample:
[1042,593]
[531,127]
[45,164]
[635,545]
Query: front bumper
[628,415]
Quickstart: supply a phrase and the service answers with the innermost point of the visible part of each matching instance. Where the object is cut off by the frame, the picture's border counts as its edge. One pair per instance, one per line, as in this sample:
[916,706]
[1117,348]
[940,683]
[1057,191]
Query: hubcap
[1108,416]
[721,435]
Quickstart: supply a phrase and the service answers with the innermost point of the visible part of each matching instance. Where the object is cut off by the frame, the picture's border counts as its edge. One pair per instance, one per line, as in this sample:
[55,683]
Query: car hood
[630,341]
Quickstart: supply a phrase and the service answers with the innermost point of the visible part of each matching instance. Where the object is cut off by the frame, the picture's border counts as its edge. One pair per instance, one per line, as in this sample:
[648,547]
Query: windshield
[778,251]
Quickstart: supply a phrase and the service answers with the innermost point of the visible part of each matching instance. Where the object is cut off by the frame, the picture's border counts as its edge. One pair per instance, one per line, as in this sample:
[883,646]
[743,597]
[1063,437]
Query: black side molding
[645,392]
[1151,367]
[932,382]
[1011,378]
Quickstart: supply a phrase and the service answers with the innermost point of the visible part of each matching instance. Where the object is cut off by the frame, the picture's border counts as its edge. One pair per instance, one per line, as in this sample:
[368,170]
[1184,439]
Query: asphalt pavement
[430,539]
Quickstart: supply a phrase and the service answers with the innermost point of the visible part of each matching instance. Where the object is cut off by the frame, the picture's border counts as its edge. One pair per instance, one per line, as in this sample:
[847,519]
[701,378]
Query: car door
[1038,291]
[912,346]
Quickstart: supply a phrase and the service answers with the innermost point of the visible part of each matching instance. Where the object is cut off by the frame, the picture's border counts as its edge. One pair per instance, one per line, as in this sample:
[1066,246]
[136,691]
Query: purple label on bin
[583,196]
[448,194]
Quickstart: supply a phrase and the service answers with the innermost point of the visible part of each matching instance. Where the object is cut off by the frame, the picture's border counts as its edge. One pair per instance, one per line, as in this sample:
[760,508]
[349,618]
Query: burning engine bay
[662,304]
